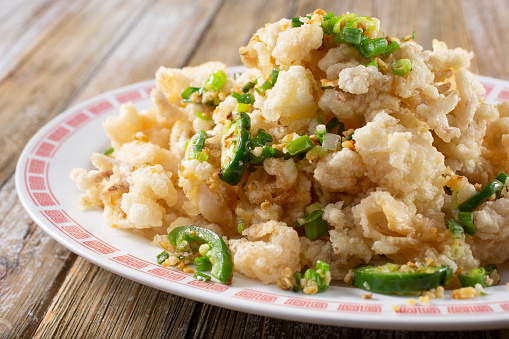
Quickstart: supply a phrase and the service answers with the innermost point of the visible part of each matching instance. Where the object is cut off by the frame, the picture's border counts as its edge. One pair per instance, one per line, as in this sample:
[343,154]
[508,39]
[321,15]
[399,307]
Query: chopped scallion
[319,151]
[216,81]
[401,67]
[186,94]
[248,86]
[391,48]
[202,156]
[240,225]
[477,199]
[109,151]
[201,116]
[273,76]
[352,35]
[300,145]
[372,63]
[161,257]
[466,220]
[260,139]
[241,107]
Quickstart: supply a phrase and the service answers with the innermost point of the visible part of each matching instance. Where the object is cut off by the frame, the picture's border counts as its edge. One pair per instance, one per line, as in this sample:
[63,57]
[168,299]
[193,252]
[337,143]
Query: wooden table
[56,53]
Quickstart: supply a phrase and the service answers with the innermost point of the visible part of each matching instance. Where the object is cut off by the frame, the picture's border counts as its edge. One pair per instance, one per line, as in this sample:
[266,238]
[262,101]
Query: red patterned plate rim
[50,197]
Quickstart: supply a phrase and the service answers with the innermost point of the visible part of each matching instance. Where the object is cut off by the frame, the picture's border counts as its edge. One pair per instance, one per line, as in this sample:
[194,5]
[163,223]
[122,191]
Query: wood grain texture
[54,53]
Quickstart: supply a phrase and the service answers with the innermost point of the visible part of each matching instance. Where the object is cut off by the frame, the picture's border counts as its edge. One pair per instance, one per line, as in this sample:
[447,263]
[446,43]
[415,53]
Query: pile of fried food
[338,145]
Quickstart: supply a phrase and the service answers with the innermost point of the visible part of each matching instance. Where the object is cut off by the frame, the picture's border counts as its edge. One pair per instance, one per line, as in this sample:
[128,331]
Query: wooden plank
[95,303]
[49,77]
[234,24]
[31,266]
[26,24]
[165,36]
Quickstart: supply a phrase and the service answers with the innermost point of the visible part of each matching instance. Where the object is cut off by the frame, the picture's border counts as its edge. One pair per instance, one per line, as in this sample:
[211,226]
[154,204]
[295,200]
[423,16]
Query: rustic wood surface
[56,53]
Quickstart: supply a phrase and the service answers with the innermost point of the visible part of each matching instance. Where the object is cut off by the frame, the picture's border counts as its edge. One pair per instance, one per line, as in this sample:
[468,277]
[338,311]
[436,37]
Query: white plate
[51,199]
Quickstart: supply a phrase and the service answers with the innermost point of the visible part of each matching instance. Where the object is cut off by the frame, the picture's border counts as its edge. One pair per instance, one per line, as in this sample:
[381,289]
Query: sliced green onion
[297,23]
[454,227]
[328,16]
[352,35]
[477,199]
[406,38]
[319,151]
[249,85]
[273,76]
[380,45]
[391,48]
[245,98]
[203,264]
[372,63]
[236,75]
[300,145]
[243,107]
[314,225]
[343,19]
[200,115]
[298,277]
[331,141]
[216,81]
[368,23]
[312,275]
[201,276]
[161,257]
[198,141]
[109,151]
[351,23]
[260,139]
[311,208]
[202,156]
[401,67]
[241,226]
[466,220]
[320,131]
[366,48]
[456,252]
[187,93]
[328,24]
[339,38]
[266,85]
[269,152]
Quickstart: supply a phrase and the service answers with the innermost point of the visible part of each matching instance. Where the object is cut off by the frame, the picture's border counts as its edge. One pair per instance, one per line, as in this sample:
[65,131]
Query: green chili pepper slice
[217,253]
[478,276]
[390,279]
[235,149]
[202,277]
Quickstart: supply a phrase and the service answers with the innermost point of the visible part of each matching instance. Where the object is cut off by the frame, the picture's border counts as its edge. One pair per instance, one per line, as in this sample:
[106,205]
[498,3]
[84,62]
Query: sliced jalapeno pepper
[481,275]
[391,279]
[216,250]
[235,149]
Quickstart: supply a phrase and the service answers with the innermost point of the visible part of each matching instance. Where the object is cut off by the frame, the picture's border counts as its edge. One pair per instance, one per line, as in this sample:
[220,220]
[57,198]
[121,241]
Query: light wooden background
[56,53]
